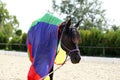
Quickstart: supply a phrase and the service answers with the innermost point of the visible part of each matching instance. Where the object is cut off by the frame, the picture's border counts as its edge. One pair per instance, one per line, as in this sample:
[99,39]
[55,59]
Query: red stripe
[32,75]
[30,52]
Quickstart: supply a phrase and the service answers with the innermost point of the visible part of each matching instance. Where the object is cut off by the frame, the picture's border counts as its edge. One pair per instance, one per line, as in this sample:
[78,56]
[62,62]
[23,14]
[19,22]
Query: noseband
[69,50]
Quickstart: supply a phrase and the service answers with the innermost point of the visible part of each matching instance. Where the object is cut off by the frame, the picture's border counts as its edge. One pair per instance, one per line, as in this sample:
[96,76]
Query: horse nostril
[77,58]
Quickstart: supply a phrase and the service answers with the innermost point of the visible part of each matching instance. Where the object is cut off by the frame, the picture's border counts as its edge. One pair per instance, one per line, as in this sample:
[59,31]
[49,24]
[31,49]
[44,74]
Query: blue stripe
[43,37]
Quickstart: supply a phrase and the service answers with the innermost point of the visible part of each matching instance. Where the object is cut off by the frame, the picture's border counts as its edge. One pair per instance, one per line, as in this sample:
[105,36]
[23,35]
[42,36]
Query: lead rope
[56,68]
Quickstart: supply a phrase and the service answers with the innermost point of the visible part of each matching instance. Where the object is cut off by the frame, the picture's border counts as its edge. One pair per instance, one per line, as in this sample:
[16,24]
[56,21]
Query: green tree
[89,12]
[8,23]
[115,27]
[3,39]
[93,38]
[18,32]
[23,42]
[18,42]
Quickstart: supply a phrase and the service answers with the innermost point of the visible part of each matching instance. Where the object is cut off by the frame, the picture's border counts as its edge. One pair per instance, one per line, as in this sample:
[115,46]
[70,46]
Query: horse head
[70,39]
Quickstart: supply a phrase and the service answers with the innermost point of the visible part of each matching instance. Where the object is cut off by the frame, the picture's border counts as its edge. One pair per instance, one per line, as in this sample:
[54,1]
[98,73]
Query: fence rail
[85,50]
[12,44]
[99,47]
[15,46]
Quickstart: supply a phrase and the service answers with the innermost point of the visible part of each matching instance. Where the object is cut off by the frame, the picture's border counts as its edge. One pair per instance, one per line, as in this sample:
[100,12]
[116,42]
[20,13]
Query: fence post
[10,47]
[104,51]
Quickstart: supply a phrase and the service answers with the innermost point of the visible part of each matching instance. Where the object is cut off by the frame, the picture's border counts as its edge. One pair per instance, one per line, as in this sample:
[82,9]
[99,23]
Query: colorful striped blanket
[42,45]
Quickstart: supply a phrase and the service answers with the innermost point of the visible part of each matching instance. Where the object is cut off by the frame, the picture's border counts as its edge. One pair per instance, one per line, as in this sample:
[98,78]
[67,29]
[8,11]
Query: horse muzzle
[75,57]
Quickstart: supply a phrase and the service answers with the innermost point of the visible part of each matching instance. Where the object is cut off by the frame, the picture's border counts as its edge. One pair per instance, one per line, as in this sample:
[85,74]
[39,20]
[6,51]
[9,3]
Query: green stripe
[48,18]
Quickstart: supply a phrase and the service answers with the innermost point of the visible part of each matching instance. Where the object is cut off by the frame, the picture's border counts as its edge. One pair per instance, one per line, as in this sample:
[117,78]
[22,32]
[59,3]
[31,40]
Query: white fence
[84,58]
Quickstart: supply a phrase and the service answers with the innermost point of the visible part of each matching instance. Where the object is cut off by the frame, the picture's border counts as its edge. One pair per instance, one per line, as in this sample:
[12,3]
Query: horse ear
[77,25]
[68,23]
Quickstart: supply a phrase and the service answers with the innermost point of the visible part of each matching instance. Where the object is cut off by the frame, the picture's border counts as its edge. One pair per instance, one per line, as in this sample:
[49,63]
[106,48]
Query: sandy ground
[16,68]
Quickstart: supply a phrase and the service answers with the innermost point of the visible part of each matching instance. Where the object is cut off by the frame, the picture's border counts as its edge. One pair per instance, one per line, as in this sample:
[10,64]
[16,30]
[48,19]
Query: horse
[42,64]
[69,37]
